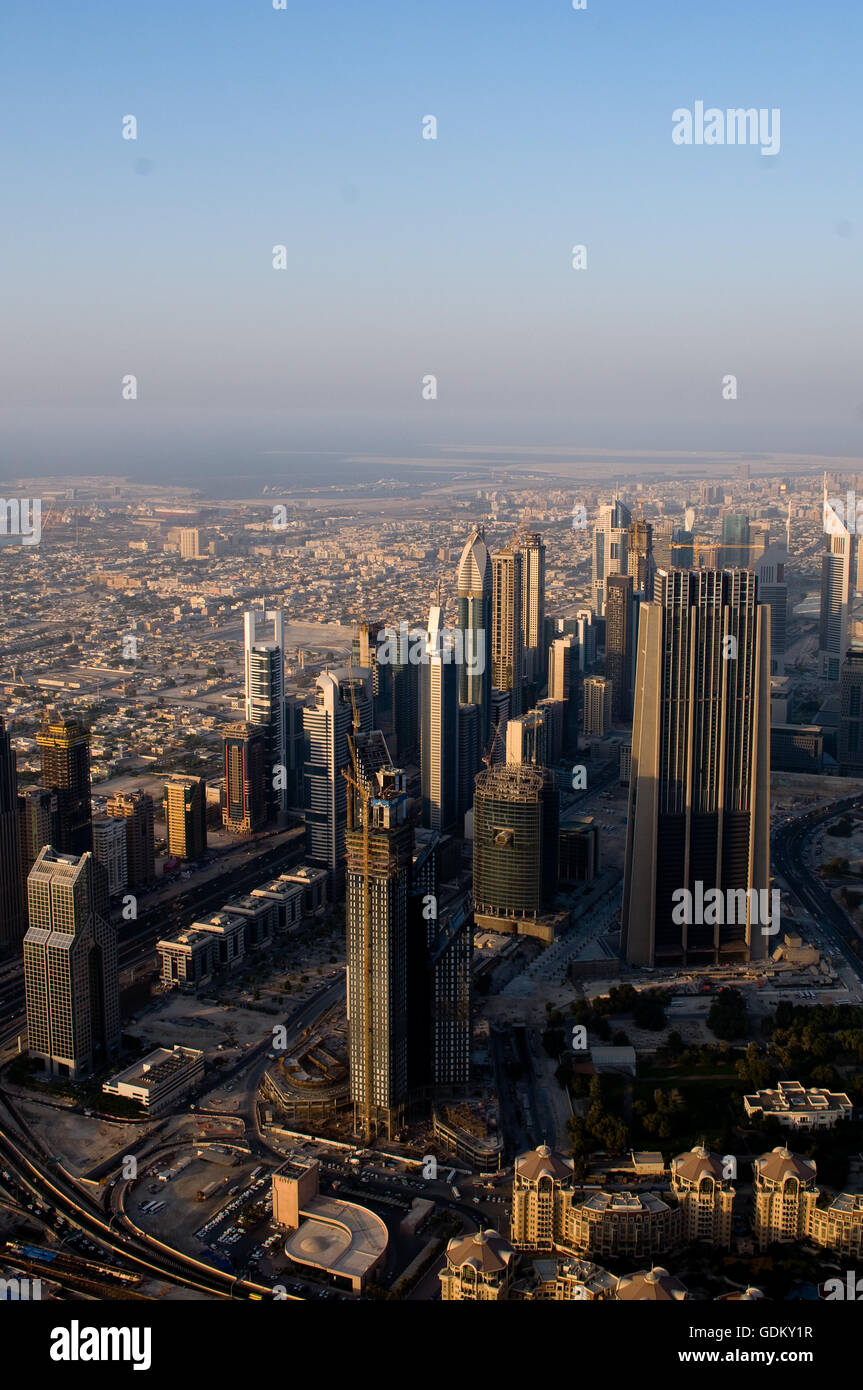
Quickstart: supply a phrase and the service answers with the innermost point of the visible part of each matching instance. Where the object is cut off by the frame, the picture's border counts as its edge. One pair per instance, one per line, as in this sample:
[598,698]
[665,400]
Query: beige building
[566,1280]
[343,1239]
[480,1267]
[785,1197]
[837,1224]
[619,1224]
[542,1189]
[800,1107]
[705,1196]
[160,1079]
[651,1286]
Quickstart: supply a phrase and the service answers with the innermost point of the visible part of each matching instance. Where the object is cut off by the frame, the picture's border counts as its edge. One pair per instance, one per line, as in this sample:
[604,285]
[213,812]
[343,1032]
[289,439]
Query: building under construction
[508,844]
[379,861]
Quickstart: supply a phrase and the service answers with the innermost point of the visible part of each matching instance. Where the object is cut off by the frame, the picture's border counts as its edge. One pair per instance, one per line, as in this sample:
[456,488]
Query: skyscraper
[610,540]
[12,922]
[699,789]
[365,655]
[850,756]
[186,816]
[244,797]
[37,827]
[65,746]
[836,570]
[639,557]
[508,882]
[597,706]
[734,550]
[71,980]
[563,684]
[326,726]
[265,703]
[620,644]
[533,607]
[439,764]
[379,844]
[773,590]
[136,809]
[474,621]
[111,852]
[506,623]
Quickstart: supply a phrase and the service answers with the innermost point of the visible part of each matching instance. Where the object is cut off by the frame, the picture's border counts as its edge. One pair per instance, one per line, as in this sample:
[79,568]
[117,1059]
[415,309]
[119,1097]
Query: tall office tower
[527,738]
[439,715]
[326,726]
[836,570]
[533,607]
[406,706]
[265,703]
[554,714]
[508,869]
[71,977]
[699,795]
[507,669]
[620,645]
[639,557]
[294,706]
[110,851]
[186,816]
[364,654]
[759,540]
[585,636]
[379,843]
[136,809]
[37,827]
[65,745]
[563,684]
[663,543]
[500,716]
[468,739]
[12,921]
[610,538]
[474,620]
[772,590]
[850,751]
[598,696]
[244,803]
[734,552]
[450,951]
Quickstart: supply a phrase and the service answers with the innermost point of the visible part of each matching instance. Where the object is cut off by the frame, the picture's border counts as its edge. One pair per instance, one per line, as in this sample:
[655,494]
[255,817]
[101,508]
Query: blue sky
[406,256]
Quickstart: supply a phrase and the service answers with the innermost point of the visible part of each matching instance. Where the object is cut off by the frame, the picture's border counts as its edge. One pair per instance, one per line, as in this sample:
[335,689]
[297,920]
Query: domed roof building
[654,1285]
[479,1267]
[785,1197]
[541,1181]
[700,1181]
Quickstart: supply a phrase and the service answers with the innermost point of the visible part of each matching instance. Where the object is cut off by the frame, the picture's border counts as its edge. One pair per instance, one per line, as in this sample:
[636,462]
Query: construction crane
[489,752]
[357,786]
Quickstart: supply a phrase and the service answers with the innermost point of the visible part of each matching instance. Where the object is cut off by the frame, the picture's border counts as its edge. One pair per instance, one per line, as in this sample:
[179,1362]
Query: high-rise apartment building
[564,684]
[699,787]
[135,809]
[785,1194]
[190,543]
[639,557]
[65,749]
[71,979]
[379,844]
[326,726]
[244,805]
[620,644]
[186,816]
[474,621]
[836,571]
[12,921]
[110,851]
[364,655]
[705,1195]
[439,756]
[541,1194]
[610,540]
[533,607]
[265,702]
[598,695]
[507,668]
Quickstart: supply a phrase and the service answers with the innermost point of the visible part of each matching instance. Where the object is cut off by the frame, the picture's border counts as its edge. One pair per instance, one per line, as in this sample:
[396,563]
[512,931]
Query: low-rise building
[800,1107]
[186,959]
[160,1079]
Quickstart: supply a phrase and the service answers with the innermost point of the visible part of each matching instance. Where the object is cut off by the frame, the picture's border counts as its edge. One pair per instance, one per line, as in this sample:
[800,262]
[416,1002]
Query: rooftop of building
[158,1066]
[338,1236]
